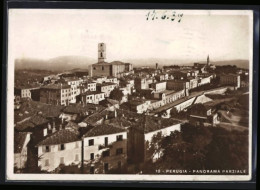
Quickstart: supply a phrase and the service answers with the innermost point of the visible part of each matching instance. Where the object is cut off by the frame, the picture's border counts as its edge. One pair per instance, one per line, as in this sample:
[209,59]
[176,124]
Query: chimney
[115,113]
[49,126]
[53,124]
[106,116]
[53,129]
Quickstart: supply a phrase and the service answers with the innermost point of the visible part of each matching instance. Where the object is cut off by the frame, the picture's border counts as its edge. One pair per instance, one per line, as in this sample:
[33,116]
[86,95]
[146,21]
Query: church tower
[101,52]
[208,60]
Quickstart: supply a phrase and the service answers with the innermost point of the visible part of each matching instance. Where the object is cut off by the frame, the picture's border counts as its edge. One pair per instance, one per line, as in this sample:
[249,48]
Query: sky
[46,34]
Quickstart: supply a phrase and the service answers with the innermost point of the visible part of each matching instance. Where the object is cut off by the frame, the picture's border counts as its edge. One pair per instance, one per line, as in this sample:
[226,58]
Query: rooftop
[106,84]
[28,86]
[56,86]
[156,123]
[91,93]
[103,129]
[29,108]
[32,122]
[60,137]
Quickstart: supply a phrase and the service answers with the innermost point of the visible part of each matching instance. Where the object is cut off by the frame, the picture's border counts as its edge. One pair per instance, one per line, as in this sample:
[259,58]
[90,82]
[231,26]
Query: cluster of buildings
[99,133]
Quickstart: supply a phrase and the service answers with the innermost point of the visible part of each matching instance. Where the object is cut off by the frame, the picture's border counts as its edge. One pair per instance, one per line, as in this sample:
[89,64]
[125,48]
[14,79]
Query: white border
[79,177]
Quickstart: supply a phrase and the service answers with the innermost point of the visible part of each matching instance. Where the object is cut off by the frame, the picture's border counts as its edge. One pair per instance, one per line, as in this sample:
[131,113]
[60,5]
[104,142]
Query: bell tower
[101,52]
[208,60]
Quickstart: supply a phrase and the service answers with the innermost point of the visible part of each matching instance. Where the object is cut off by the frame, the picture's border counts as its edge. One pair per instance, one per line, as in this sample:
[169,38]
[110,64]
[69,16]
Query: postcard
[129,95]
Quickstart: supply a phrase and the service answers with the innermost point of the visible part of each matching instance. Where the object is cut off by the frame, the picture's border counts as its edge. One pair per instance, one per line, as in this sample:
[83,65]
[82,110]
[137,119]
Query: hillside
[56,64]
[64,63]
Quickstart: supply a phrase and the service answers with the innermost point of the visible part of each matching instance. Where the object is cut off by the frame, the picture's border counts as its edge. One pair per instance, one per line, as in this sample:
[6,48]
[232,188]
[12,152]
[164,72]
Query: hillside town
[105,120]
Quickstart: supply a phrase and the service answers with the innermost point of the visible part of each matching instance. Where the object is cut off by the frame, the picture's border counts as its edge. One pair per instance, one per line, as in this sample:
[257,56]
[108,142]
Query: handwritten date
[164,15]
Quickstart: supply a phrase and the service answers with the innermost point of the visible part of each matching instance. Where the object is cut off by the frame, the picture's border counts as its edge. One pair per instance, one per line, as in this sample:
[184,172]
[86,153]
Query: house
[105,148]
[56,94]
[140,135]
[178,74]
[88,86]
[21,140]
[177,85]
[39,126]
[161,77]
[112,80]
[230,79]
[24,91]
[204,80]
[193,83]
[158,86]
[74,82]
[106,87]
[110,104]
[142,83]
[139,106]
[62,147]
[202,115]
[93,97]
[74,112]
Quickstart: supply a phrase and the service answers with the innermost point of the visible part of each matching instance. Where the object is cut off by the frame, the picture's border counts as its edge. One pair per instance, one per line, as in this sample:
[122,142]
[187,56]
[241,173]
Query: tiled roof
[32,122]
[71,125]
[76,108]
[32,107]
[94,118]
[92,93]
[60,137]
[106,84]
[108,101]
[28,86]
[103,130]
[56,86]
[19,140]
[156,123]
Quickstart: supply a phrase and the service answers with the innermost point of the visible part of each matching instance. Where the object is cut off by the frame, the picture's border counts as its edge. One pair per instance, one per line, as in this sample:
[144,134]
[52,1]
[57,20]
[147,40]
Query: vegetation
[226,69]
[23,77]
[198,148]
[116,94]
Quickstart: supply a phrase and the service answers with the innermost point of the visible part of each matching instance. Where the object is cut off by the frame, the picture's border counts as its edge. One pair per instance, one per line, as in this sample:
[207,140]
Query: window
[106,167]
[77,145]
[47,162]
[76,157]
[92,170]
[119,164]
[119,151]
[106,153]
[94,68]
[119,137]
[45,132]
[47,148]
[91,142]
[102,67]
[106,141]
[92,156]
[61,160]
[62,147]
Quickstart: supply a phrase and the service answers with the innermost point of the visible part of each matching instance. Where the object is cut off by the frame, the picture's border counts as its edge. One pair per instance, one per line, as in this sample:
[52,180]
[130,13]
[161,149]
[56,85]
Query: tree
[116,94]
[174,112]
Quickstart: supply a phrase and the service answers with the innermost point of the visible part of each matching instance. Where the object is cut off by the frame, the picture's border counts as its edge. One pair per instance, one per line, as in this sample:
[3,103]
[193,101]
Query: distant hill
[166,62]
[62,63]
[239,63]
[65,63]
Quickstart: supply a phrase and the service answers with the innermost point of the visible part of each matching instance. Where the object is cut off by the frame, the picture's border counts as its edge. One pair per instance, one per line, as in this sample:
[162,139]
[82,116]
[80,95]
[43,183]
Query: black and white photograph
[129,94]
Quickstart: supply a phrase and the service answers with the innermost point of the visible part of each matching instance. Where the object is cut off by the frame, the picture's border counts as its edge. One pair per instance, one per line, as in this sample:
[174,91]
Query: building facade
[56,94]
